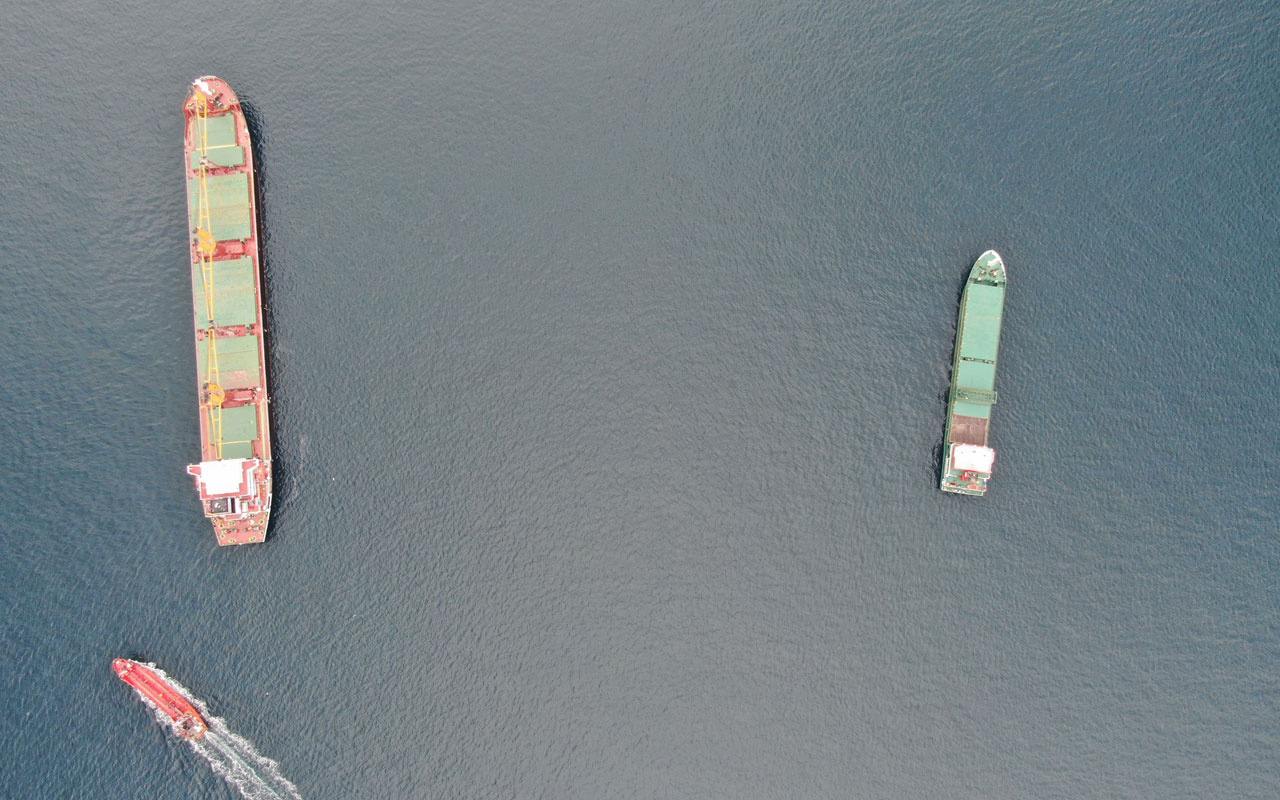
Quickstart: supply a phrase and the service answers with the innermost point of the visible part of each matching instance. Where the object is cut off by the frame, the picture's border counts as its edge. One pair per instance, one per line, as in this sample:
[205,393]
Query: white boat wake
[235,759]
[231,755]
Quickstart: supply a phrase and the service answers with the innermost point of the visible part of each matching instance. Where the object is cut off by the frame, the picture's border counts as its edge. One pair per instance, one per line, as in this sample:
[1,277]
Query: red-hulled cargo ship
[163,695]
[234,473]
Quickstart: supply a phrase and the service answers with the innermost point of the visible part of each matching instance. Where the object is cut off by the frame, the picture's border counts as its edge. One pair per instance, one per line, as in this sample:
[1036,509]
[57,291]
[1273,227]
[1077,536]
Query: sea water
[609,345]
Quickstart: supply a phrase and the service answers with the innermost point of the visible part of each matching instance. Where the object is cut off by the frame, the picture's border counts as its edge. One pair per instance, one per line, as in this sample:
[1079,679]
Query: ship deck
[968,430]
[227,294]
[973,379]
[973,374]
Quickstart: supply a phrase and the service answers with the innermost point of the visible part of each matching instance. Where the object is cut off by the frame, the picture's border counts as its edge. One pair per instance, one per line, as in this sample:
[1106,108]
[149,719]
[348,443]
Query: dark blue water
[610,343]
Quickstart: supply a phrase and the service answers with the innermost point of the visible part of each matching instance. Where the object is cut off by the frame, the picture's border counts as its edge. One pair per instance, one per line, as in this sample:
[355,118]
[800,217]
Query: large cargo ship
[967,456]
[234,473]
[162,695]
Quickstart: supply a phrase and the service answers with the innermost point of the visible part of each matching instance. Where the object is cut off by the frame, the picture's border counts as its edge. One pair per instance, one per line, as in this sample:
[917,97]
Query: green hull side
[973,370]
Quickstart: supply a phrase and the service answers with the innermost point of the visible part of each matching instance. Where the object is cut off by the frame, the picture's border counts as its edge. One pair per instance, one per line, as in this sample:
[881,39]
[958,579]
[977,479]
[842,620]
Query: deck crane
[212,395]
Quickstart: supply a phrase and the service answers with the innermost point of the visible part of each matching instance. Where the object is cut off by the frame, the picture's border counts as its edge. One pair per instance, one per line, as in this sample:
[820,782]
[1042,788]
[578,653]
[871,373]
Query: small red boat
[162,694]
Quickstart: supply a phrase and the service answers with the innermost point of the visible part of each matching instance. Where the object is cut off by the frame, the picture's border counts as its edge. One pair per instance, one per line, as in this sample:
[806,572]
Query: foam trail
[232,756]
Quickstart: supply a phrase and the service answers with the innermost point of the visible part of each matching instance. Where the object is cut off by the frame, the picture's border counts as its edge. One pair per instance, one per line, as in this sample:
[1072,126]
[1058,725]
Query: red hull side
[162,695]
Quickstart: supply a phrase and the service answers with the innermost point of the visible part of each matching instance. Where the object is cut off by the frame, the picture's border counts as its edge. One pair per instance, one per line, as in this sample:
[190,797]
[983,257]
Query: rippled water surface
[610,343]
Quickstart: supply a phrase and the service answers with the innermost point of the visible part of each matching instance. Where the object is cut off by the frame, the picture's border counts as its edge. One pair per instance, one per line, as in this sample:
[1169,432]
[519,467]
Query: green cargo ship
[967,457]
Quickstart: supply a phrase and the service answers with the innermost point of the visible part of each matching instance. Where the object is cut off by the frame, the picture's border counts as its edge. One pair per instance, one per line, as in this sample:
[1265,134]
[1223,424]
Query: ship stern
[967,469]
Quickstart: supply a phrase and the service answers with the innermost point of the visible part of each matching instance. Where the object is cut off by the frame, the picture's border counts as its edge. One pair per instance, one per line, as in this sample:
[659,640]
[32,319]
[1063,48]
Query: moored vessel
[234,475]
[159,693]
[967,457]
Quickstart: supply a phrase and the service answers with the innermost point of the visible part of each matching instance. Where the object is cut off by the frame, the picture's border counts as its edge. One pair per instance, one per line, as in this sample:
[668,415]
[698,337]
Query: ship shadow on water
[940,441]
[281,455]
